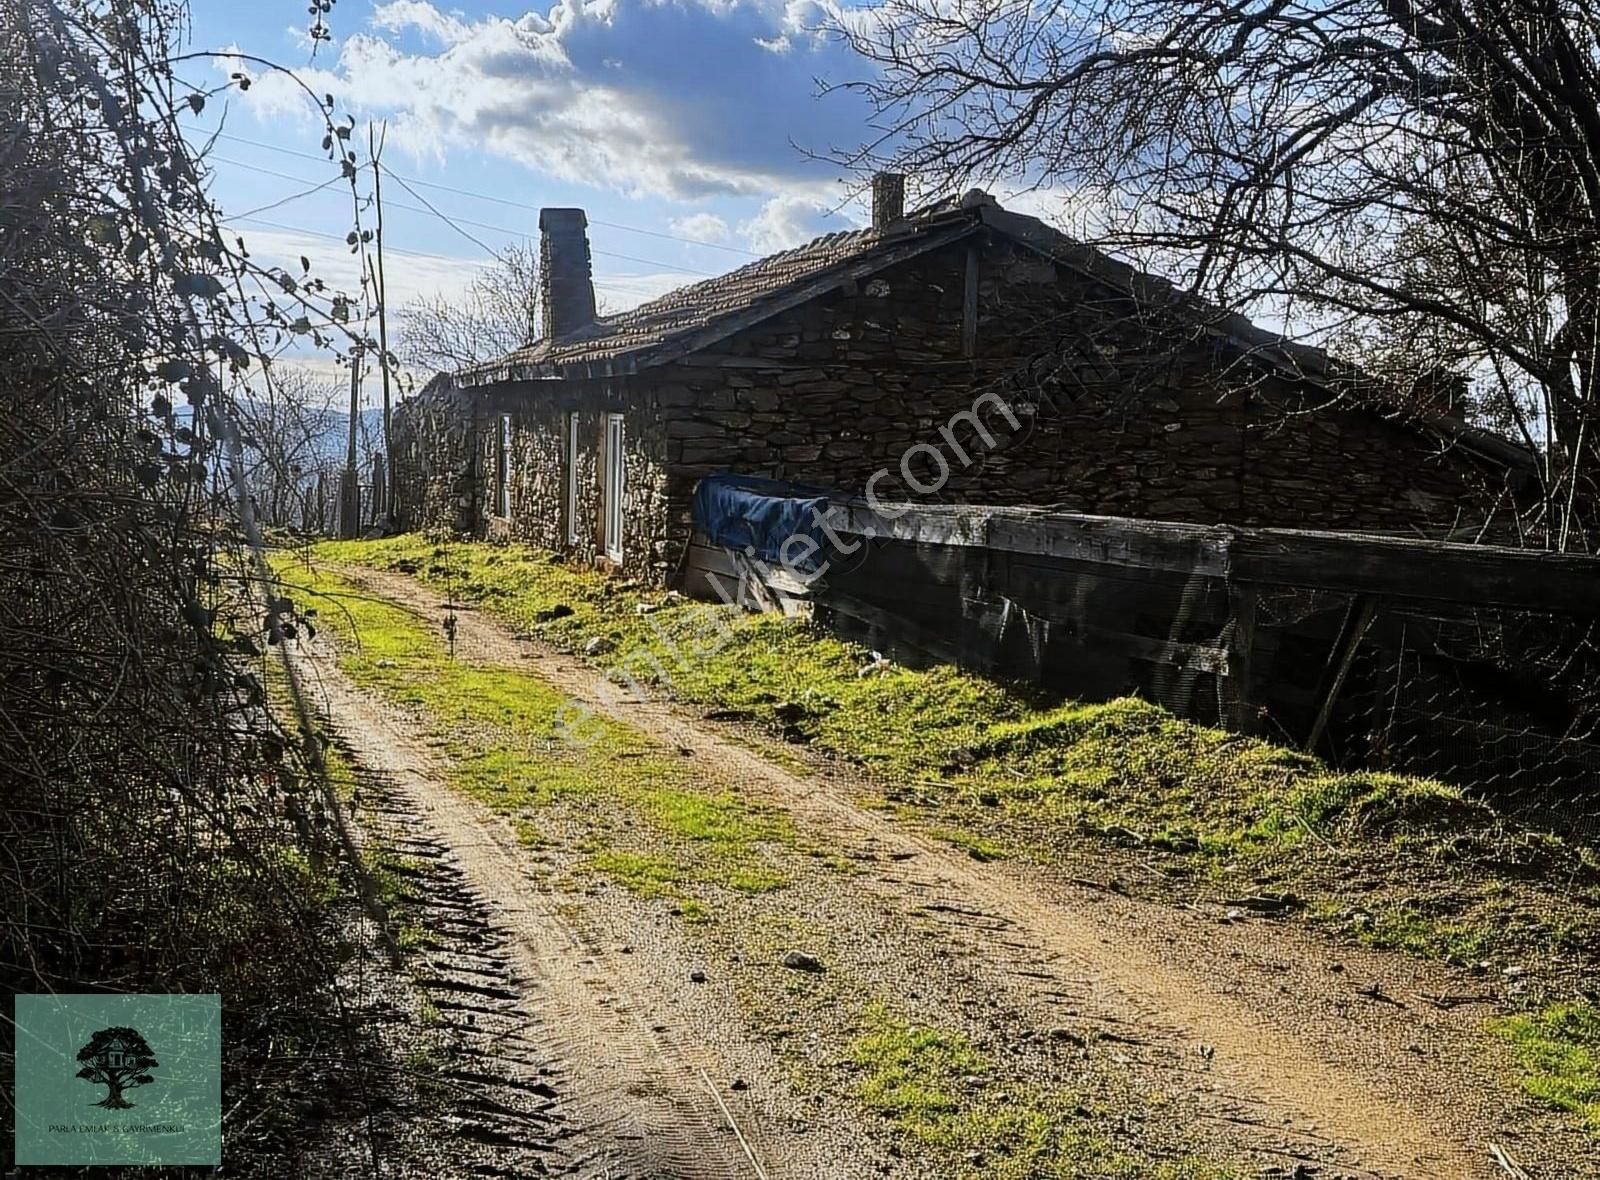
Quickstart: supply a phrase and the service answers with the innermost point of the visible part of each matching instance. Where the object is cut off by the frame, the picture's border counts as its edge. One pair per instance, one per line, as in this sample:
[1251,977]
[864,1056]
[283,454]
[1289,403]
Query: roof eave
[1302,363]
[684,344]
[510,369]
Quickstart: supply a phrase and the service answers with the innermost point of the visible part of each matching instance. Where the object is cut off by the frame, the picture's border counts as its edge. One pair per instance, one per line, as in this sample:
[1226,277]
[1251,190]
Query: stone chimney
[566,289]
[888,199]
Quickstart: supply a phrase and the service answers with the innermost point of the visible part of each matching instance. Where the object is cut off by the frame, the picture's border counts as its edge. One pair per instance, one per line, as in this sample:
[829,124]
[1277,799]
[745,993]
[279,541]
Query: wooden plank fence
[1409,653]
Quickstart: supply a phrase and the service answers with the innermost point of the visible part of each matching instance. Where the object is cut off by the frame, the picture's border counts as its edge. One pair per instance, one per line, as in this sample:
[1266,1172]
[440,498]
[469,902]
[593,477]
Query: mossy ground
[1558,1051]
[1002,768]
[943,1093]
[1392,861]
[968,1106]
[649,823]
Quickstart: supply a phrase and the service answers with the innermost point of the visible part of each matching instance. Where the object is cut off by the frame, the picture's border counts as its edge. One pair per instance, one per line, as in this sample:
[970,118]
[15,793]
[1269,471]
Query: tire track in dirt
[1386,1125]
[635,1089]
[471,1067]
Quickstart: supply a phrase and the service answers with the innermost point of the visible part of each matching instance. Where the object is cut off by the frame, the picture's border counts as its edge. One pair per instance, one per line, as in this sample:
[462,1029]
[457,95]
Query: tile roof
[692,317]
[748,292]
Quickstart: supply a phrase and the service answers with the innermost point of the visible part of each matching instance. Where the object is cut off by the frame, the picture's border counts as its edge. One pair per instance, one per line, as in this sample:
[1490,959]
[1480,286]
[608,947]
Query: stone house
[959,353]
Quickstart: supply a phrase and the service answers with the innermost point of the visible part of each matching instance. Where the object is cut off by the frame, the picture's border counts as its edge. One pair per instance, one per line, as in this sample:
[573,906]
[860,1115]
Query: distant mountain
[330,429]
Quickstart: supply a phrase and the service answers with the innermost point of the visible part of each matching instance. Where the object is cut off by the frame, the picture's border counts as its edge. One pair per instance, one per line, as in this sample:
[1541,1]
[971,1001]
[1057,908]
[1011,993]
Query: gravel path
[632,1067]
[1266,1044]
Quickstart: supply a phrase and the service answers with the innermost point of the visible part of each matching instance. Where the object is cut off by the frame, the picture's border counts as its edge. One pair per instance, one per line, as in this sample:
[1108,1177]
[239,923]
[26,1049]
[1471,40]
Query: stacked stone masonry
[1117,411]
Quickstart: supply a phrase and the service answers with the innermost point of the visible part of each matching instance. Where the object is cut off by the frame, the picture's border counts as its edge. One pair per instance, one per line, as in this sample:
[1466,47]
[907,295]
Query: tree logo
[117,1058]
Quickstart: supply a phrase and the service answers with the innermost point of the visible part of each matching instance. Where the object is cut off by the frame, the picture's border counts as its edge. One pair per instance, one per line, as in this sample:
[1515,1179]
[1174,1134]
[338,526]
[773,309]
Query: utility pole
[375,150]
[350,483]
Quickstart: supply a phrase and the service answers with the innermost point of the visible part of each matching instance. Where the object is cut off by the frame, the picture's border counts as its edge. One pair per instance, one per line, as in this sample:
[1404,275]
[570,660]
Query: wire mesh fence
[1505,703]
[1475,666]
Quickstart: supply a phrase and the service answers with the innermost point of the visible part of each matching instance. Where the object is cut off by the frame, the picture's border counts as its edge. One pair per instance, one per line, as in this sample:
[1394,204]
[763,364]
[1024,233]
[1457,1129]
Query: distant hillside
[329,429]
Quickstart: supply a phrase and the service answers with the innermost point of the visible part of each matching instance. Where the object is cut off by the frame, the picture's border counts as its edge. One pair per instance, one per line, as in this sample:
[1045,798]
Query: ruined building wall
[434,443]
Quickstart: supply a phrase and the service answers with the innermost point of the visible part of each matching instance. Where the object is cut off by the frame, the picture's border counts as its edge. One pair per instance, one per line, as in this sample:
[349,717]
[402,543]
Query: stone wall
[434,444]
[1117,411]
[538,475]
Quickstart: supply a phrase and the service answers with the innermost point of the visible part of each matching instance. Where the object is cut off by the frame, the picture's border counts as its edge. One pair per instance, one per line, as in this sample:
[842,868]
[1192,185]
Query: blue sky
[681,127]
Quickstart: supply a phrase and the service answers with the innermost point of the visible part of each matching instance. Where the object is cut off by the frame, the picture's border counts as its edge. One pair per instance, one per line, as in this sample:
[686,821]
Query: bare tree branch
[1431,167]
[495,315]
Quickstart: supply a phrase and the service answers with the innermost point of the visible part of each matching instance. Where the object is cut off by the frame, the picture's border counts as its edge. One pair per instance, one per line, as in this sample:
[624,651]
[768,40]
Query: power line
[291,197]
[454,222]
[315,233]
[431,208]
[514,233]
[632,229]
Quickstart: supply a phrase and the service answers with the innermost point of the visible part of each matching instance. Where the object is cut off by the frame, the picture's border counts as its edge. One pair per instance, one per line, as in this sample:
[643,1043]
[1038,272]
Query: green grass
[938,1089]
[999,768]
[974,845]
[712,654]
[1398,862]
[502,731]
[1405,927]
[646,875]
[1558,1050]
[944,732]
[912,1072]
[908,724]
[1453,942]
[1129,765]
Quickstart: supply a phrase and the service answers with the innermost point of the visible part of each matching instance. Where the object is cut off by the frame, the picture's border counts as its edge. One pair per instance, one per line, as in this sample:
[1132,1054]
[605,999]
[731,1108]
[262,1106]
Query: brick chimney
[566,288]
[888,199]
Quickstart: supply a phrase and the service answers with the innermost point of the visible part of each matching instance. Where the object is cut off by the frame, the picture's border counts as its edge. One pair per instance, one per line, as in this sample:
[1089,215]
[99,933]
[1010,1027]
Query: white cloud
[805,23]
[274,95]
[682,100]
[701,227]
[785,222]
[399,15]
[409,274]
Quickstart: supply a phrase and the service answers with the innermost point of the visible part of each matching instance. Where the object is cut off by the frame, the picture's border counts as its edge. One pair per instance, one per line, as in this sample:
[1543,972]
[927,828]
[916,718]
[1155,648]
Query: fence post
[1357,618]
[1241,715]
[380,489]
[349,504]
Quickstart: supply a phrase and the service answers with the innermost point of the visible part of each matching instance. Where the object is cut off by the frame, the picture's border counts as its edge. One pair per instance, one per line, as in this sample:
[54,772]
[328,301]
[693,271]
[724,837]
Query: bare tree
[293,433]
[1429,165]
[136,609]
[494,316]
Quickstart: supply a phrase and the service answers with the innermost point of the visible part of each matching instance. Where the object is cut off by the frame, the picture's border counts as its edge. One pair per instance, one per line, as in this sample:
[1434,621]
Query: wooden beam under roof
[1355,563]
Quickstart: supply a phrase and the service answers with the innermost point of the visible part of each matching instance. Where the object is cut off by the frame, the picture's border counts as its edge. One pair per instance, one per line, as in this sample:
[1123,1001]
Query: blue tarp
[758,515]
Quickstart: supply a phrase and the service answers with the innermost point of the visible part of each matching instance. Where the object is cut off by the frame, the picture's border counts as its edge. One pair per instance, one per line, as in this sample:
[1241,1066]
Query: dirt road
[638,1091]
[691,1053]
